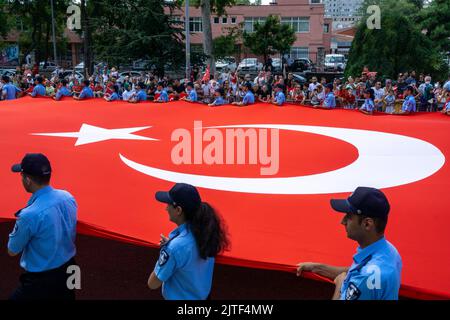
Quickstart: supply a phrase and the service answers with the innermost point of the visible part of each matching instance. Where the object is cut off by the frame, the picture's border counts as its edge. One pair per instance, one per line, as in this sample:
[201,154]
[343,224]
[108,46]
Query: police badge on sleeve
[163,257]
[352,292]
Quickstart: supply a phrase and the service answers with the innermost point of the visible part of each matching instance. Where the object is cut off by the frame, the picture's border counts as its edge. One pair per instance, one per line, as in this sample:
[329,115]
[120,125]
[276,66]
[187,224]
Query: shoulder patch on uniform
[352,293]
[16,228]
[163,257]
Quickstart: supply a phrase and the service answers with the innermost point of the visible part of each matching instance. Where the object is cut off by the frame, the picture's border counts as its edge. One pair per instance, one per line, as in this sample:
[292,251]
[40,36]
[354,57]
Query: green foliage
[270,37]
[130,29]
[435,19]
[35,16]
[224,46]
[398,46]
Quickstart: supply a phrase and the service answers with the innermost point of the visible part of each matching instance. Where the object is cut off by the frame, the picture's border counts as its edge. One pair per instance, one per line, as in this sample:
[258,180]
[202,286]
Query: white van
[335,62]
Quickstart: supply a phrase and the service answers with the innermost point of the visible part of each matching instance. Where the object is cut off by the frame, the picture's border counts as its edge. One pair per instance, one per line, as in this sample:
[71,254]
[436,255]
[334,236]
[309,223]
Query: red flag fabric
[114,156]
[206,76]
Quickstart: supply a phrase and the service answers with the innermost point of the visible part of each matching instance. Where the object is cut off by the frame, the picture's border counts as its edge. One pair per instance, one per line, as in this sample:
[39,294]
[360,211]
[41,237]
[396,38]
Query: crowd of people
[367,93]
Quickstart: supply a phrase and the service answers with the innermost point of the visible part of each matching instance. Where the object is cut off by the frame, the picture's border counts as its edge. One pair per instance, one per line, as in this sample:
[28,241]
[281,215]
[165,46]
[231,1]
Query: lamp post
[53,33]
[188,39]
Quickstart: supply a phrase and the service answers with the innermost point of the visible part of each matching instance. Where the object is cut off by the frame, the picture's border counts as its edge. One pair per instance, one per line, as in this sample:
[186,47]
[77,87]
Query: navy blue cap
[34,164]
[181,194]
[369,202]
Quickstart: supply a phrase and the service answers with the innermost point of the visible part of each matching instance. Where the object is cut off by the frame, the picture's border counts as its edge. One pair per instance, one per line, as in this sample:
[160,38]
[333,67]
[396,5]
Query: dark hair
[141,85]
[116,88]
[5,78]
[86,83]
[39,79]
[380,223]
[64,82]
[40,180]
[209,230]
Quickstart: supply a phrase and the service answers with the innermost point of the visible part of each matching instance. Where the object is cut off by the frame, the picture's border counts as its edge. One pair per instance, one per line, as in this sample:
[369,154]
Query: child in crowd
[389,100]
[368,106]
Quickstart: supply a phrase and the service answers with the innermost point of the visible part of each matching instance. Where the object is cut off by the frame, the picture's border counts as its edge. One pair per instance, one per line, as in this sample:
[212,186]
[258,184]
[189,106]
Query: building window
[298,24]
[224,20]
[299,52]
[233,20]
[195,24]
[316,1]
[216,20]
[326,28]
[249,23]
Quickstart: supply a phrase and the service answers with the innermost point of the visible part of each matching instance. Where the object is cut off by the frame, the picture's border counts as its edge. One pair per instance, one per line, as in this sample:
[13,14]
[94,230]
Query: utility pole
[188,39]
[55,59]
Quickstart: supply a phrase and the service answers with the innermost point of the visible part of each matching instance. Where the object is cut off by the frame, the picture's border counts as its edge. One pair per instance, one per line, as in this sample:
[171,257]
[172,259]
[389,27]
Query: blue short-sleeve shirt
[368,105]
[63,92]
[38,90]
[249,98]
[86,93]
[409,105]
[280,98]
[330,100]
[185,275]
[11,91]
[45,230]
[193,96]
[141,95]
[114,97]
[219,101]
[164,97]
[375,273]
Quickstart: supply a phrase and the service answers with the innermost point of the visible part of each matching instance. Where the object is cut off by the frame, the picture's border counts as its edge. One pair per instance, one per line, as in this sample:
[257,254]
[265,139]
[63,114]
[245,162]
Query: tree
[36,18]
[224,46]
[5,23]
[270,37]
[435,19]
[134,29]
[398,46]
[207,7]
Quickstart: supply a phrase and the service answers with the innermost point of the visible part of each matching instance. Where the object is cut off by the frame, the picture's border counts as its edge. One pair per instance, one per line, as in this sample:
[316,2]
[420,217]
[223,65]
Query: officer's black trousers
[47,285]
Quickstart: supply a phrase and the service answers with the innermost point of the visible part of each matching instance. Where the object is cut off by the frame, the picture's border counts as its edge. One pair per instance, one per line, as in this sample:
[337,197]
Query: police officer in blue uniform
[186,262]
[376,270]
[44,233]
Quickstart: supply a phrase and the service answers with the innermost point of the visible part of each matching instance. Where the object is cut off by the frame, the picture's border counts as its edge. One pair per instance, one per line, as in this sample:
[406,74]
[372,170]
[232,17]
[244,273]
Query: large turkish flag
[273,223]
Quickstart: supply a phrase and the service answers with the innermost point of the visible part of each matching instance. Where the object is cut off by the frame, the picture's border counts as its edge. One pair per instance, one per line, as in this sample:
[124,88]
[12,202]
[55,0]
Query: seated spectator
[115,95]
[348,97]
[389,100]
[219,100]
[161,95]
[409,105]
[141,95]
[264,93]
[127,93]
[249,97]
[192,94]
[98,90]
[9,91]
[279,99]
[378,93]
[63,91]
[39,89]
[317,94]
[330,100]
[368,106]
[446,108]
[76,87]
[297,95]
[86,92]
[49,89]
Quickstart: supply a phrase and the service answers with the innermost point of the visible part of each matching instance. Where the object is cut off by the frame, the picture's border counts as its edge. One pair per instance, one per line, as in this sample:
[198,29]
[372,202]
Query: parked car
[300,79]
[303,64]
[69,73]
[123,74]
[8,72]
[228,62]
[80,67]
[276,65]
[47,66]
[249,65]
[335,62]
[142,64]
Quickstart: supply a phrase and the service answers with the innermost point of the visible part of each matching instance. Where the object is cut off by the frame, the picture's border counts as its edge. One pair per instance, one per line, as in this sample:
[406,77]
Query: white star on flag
[90,134]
